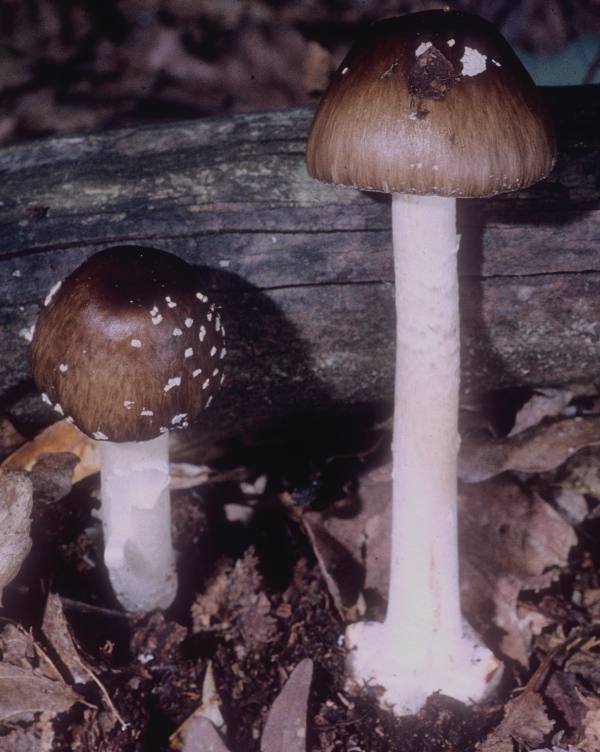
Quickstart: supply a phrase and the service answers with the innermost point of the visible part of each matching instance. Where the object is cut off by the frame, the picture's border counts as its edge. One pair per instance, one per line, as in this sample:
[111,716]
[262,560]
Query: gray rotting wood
[304,269]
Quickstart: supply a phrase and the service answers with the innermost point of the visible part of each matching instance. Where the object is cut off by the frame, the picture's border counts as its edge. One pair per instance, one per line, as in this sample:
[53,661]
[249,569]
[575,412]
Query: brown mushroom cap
[129,346]
[432,103]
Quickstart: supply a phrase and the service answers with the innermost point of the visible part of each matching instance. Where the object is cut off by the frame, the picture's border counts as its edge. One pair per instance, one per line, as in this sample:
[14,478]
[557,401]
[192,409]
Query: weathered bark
[304,269]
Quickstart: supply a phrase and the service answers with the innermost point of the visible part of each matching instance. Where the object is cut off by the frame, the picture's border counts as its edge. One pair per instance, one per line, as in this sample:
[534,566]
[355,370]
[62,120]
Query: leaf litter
[260,609]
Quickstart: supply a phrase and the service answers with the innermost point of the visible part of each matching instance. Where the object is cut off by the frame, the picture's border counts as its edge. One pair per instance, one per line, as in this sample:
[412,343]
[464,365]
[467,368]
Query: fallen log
[302,269]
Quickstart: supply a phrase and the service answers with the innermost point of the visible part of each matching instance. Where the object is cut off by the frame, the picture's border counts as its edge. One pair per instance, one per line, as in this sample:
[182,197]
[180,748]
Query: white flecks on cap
[435,168]
[16,273]
[223,353]
[197,372]
[162,429]
[178,418]
[99,436]
[222,331]
[128,404]
[222,379]
[157,319]
[213,351]
[146,412]
[188,322]
[170,302]
[215,372]
[497,63]
[189,352]
[345,71]
[224,263]
[451,42]
[205,383]
[175,381]
[202,297]
[209,400]
[177,332]
[209,316]
[423,47]
[473,62]
[63,367]
[28,333]
[217,322]
[136,343]
[202,333]
[46,399]
[53,290]
[58,408]
[70,419]
[154,311]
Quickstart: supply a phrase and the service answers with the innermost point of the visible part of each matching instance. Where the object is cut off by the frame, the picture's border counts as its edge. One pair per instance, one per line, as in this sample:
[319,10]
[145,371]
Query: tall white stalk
[136,517]
[424,646]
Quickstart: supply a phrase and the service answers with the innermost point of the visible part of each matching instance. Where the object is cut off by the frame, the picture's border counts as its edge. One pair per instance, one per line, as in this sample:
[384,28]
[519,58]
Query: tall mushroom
[129,347]
[428,107]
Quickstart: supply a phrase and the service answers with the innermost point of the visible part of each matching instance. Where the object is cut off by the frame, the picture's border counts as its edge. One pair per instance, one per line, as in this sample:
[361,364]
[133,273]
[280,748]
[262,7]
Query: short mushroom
[129,347]
[428,107]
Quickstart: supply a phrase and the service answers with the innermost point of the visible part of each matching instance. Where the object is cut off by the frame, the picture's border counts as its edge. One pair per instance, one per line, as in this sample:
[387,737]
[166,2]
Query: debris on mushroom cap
[95,355]
[451,112]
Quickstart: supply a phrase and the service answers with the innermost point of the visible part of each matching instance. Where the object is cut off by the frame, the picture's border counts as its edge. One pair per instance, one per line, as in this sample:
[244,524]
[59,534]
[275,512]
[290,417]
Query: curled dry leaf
[16,500]
[545,403]
[525,722]
[511,540]
[58,438]
[536,450]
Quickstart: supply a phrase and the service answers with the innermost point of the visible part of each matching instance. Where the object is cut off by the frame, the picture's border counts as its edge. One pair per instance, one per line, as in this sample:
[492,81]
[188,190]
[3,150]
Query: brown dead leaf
[536,450]
[525,722]
[58,438]
[56,631]
[22,692]
[511,540]
[16,502]
[285,728]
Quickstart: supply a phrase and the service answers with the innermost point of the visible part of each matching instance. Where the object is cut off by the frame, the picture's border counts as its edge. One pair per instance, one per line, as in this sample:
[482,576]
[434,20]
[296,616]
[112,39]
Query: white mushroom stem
[136,516]
[424,646]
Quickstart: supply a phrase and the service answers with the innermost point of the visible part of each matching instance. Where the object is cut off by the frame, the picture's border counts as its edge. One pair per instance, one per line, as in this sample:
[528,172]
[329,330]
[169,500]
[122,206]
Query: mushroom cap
[432,103]
[129,346]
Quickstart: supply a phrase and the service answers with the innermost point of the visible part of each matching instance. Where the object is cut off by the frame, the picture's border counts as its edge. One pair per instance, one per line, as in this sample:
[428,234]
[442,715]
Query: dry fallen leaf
[511,540]
[16,499]
[202,736]
[56,630]
[25,687]
[525,722]
[536,450]
[285,728]
[545,403]
[57,438]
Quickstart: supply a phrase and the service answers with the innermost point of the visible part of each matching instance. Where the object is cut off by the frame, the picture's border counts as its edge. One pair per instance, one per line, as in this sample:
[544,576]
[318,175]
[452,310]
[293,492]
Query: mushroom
[129,347]
[428,107]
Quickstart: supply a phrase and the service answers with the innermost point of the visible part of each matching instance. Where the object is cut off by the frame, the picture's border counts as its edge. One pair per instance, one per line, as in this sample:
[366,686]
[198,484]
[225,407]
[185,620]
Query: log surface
[304,269]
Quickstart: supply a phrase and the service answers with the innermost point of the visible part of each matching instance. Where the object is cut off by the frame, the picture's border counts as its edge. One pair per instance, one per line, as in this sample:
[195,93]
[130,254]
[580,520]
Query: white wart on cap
[130,345]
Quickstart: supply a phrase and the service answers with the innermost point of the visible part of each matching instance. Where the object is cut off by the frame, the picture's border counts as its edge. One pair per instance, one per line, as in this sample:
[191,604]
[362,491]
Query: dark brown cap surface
[129,345]
[432,103]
